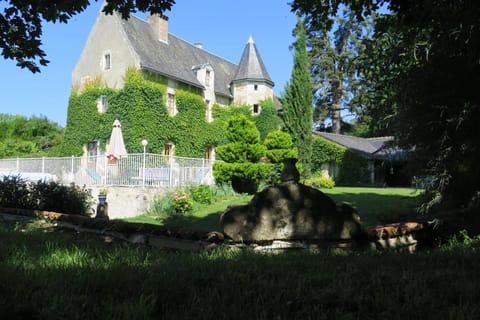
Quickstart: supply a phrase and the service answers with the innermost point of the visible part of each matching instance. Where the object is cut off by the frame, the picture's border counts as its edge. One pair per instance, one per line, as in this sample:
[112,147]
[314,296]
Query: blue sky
[222,26]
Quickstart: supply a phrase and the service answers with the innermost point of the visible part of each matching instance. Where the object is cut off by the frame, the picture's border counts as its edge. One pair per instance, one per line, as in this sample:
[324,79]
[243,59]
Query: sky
[222,26]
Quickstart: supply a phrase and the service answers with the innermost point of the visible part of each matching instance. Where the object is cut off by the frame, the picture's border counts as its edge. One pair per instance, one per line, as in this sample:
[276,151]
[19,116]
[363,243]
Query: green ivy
[352,167]
[140,107]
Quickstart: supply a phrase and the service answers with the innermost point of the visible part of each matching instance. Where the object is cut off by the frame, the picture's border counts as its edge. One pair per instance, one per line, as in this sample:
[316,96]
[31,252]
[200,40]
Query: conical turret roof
[251,66]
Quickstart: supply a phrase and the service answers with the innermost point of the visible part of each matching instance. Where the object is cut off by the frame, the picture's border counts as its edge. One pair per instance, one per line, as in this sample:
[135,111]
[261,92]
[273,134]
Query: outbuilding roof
[371,148]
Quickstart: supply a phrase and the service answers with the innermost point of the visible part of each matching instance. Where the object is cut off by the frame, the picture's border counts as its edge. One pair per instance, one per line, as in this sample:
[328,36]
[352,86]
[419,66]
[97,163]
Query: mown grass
[48,275]
[379,205]
[376,206]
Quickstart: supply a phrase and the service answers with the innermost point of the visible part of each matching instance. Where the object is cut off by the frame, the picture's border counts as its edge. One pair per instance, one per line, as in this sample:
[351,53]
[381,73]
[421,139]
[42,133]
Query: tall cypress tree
[298,102]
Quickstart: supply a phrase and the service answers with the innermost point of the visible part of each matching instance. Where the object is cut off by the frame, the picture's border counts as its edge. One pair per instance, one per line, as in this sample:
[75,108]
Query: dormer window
[107,61]
[207,78]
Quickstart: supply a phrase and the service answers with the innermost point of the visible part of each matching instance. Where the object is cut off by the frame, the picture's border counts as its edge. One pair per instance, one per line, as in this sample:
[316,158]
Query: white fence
[135,170]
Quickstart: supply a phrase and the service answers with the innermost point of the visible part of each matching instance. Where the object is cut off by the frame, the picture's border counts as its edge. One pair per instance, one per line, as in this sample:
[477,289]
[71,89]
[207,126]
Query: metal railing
[138,169]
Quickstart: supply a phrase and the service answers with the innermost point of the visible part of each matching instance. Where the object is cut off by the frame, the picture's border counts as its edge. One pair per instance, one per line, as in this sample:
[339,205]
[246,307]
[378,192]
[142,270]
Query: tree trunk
[336,107]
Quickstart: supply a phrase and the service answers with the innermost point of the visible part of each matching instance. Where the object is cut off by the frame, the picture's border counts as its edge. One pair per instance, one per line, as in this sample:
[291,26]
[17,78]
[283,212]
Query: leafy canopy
[21,23]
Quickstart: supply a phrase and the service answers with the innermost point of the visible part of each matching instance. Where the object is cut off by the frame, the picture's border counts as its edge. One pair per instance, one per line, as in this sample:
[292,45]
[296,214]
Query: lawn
[51,275]
[46,274]
[375,205]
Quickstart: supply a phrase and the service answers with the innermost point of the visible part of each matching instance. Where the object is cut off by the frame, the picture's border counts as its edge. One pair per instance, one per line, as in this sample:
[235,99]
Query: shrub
[180,202]
[318,180]
[202,194]
[16,192]
[249,175]
[162,206]
[52,196]
[279,146]
[241,155]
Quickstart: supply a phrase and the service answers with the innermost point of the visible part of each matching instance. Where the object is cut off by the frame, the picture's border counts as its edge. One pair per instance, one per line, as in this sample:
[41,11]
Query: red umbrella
[116,147]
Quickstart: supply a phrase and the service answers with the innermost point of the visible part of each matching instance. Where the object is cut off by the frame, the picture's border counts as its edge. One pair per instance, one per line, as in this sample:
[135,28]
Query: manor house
[114,45]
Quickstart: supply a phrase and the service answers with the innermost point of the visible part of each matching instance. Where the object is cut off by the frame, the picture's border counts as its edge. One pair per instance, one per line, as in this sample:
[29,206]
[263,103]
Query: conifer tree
[298,102]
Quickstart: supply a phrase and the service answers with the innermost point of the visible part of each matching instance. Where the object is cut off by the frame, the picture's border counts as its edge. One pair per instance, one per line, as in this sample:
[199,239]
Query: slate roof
[176,58]
[251,66]
[370,148]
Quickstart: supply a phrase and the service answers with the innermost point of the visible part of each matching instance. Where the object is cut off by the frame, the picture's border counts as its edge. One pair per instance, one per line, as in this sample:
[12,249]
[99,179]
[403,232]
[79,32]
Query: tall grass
[48,275]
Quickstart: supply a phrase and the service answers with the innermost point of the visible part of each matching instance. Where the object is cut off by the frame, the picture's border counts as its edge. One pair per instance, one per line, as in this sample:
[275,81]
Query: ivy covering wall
[140,107]
[352,167]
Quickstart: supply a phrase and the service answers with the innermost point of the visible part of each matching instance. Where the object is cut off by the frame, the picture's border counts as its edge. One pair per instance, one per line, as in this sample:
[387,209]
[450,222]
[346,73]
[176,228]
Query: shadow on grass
[52,276]
[210,222]
[374,209]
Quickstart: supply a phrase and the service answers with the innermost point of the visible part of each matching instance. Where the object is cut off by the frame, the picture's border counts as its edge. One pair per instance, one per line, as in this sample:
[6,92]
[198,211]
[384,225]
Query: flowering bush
[180,202]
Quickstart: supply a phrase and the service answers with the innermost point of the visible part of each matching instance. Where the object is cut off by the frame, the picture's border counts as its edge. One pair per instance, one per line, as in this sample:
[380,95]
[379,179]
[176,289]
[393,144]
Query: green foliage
[421,72]
[462,241]
[240,129]
[279,146]
[298,102]
[161,206]
[241,156]
[353,170]
[319,181]
[334,55]
[22,24]
[202,194]
[324,151]
[28,137]
[140,107]
[352,167]
[244,145]
[180,202]
[268,119]
[250,174]
[16,192]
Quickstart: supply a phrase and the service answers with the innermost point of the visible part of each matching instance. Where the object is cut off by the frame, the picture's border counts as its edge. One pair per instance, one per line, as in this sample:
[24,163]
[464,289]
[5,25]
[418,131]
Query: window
[92,149]
[102,104]
[168,149]
[256,109]
[107,63]
[255,87]
[209,155]
[208,113]
[207,78]
[171,104]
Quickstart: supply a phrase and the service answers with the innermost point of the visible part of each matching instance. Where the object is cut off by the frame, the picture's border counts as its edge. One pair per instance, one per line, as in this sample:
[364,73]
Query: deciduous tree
[431,52]
[21,23]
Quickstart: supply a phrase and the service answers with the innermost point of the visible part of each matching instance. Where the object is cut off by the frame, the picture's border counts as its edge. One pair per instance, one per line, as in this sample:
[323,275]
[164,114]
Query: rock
[290,211]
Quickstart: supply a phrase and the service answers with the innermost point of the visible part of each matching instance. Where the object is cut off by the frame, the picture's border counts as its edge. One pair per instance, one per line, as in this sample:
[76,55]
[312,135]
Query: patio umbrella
[116,147]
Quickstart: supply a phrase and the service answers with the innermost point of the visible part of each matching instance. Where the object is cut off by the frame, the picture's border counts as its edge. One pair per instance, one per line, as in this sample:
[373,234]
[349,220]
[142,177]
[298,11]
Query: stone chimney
[159,24]
[199,45]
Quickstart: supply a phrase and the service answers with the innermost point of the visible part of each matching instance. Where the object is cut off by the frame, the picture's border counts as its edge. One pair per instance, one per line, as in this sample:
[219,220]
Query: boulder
[290,211]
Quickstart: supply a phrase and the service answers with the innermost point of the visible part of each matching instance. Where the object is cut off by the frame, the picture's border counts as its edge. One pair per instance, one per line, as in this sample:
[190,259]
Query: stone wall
[127,202]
